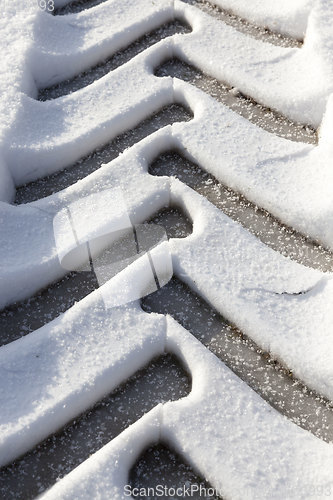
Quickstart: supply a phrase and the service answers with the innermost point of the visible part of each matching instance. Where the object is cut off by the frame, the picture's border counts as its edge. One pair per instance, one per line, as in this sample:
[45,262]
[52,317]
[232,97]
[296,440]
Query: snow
[63,368]
[58,371]
[283,306]
[66,45]
[245,457]
[68,134]
[105,474]
[294,81]
[291,180]
[30,261]
[284,17]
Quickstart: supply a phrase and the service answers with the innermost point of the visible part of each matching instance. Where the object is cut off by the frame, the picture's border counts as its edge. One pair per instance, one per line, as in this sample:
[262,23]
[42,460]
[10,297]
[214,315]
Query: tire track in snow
[262,373]
[85,166]
[244,26]
[224,351]
[23,318]
[259,115]
[258,221]
[119,58]
[164,379]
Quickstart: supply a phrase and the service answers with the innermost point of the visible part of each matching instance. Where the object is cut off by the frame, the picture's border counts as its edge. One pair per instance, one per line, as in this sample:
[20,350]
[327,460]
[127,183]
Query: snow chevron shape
[280,302]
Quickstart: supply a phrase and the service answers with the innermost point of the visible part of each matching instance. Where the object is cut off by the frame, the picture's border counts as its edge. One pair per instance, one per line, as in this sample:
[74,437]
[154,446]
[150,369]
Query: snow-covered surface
[55,373]
[51,375]
[290,18]
[246,457]
[295,81]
